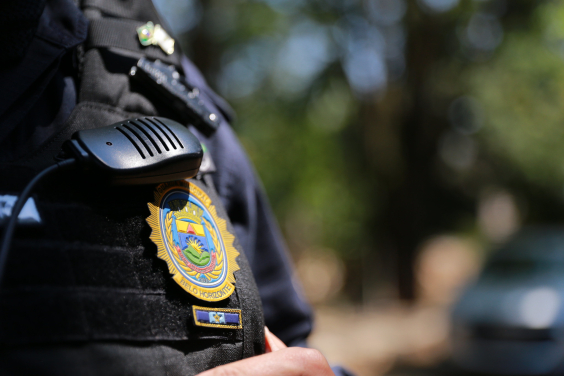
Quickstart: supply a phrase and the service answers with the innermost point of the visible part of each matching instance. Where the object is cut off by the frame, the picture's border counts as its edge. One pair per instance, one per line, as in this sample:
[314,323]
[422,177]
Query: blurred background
[400,143]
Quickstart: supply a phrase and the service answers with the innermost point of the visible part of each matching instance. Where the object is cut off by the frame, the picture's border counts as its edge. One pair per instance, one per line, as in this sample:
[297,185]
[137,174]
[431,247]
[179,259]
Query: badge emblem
[193,240]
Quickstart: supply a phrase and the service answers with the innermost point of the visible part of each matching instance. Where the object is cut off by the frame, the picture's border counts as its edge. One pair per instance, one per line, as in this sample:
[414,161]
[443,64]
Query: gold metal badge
[193,240]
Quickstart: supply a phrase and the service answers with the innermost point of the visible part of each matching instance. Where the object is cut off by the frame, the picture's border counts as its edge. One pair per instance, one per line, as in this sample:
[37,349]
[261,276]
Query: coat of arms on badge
[193,240]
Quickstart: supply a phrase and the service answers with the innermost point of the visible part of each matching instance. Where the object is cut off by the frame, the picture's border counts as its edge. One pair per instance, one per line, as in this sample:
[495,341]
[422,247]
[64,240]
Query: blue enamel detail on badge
[217,317]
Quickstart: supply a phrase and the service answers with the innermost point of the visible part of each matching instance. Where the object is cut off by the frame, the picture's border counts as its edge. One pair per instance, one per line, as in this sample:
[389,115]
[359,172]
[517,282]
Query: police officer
[152,279]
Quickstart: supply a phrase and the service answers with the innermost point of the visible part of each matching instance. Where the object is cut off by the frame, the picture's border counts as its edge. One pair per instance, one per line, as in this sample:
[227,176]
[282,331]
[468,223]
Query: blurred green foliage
[375,124]
[522,90]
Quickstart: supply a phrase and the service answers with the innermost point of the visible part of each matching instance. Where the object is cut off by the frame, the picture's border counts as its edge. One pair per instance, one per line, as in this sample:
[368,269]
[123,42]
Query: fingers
[293,361]
[273,343]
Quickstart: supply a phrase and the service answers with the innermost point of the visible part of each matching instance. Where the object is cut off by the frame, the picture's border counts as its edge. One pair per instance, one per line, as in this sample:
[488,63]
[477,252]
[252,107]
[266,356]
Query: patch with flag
[217,317]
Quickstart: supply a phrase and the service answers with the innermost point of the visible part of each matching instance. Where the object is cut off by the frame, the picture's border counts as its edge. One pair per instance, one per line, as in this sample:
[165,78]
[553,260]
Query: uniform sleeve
[286,312]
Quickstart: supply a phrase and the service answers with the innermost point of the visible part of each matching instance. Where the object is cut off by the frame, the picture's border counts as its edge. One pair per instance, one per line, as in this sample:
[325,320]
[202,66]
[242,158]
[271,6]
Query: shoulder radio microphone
[138,151]
[145,150]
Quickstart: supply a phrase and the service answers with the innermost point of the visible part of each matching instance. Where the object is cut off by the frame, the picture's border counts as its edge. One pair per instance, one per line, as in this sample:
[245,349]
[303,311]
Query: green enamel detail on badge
[151,34]
[193,240]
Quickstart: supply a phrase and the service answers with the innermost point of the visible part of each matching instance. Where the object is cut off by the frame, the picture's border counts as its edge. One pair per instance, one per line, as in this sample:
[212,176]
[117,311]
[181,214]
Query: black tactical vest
[84,291]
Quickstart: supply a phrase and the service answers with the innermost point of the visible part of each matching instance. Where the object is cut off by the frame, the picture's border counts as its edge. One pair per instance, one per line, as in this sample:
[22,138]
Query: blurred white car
[511,319]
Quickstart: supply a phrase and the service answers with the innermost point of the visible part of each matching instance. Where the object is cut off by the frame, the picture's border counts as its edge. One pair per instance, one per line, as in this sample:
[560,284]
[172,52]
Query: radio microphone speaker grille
[138,151]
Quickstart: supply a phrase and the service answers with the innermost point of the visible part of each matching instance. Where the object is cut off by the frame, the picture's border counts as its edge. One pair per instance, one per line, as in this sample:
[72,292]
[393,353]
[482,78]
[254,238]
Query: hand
[279,360]
[272,342]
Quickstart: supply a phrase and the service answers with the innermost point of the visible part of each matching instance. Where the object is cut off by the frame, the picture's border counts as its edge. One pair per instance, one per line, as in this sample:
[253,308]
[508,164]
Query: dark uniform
[84,292]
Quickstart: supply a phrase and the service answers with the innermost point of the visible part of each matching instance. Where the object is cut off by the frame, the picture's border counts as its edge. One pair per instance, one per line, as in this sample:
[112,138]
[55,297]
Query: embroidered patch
[193,240]
[217,317]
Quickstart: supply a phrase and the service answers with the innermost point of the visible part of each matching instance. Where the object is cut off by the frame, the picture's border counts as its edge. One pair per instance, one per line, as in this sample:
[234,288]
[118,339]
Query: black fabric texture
[24,83]
[85,291]
[45,117]
[128,9]
[107,358]
[103,81]
[19,21]
[94,275]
